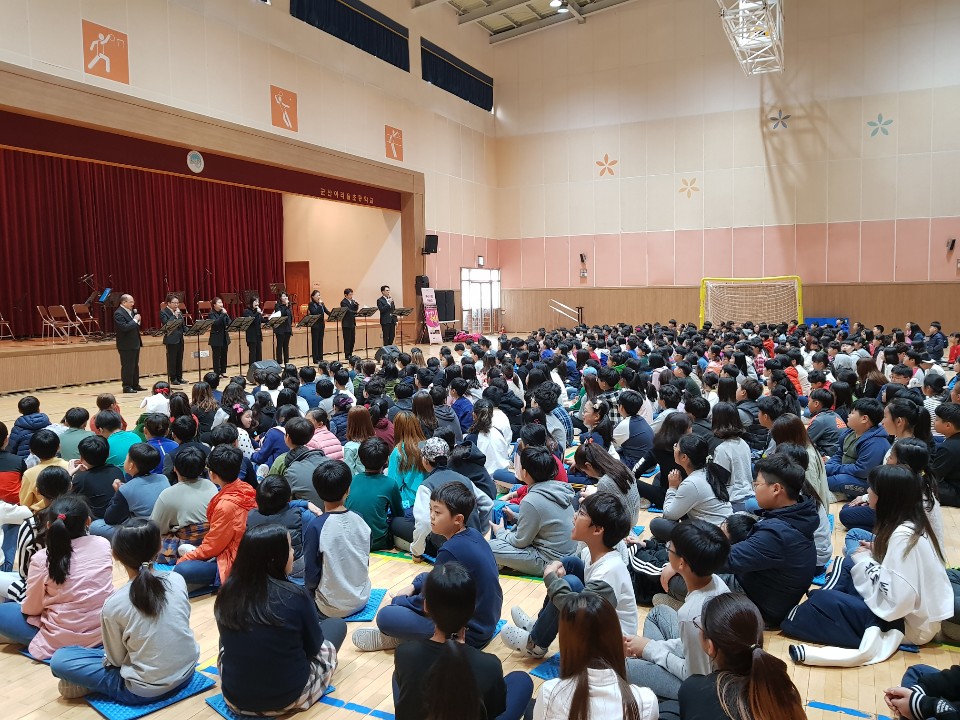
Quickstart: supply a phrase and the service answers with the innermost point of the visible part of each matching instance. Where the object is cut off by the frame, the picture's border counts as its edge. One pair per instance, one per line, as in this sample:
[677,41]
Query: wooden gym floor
[363,679]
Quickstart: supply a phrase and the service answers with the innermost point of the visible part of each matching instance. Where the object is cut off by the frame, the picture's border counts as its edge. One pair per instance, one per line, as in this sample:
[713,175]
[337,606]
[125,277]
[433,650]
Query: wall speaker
[583,258]
[430,244]
[422,282]
[951,243]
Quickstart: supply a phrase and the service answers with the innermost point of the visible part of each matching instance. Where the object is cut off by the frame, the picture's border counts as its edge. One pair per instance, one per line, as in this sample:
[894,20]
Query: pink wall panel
[557,261]
[748,252]
[441,277]
[779,250]
[582,244]
[689,257]
[510,262]
[913,250]
[843,252]
[943,262]
[455,243]
[660,261]
[876,251]
[532,274]
[633,256]
[812,253]
[718,252]
[469,253]
[607,266]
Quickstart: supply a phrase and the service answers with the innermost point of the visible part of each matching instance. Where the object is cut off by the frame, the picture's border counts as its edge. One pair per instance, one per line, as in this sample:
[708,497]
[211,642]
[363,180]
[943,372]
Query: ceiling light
[555,3]
[563,8]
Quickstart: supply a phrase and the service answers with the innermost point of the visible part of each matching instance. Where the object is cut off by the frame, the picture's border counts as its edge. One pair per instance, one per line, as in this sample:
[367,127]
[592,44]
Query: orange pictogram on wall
[105,53]
[393,141]
[283,108]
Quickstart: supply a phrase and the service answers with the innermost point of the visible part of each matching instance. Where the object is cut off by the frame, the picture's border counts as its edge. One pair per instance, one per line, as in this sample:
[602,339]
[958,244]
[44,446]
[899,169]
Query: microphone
[165,283]
[207,271]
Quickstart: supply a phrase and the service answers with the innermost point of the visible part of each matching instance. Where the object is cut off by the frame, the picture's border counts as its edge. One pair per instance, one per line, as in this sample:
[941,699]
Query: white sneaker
[521,619]
[371,639]
[517,638]
[71,690]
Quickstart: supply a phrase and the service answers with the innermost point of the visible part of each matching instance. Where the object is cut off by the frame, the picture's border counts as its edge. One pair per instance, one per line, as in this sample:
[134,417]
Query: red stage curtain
[138,232]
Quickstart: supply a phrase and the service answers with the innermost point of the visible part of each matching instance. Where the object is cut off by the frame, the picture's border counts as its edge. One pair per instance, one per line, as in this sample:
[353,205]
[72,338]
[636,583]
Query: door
[297,280]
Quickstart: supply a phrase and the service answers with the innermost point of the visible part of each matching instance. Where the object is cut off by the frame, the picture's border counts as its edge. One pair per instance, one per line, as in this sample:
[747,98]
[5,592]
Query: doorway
[480,300]
[297,280]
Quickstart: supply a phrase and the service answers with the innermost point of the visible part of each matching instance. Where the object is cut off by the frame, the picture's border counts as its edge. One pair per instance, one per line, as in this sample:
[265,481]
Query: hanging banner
[430,316]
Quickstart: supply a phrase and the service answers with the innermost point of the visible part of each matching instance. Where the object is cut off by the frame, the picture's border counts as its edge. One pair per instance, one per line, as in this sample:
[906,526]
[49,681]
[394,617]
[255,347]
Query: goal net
[767,299]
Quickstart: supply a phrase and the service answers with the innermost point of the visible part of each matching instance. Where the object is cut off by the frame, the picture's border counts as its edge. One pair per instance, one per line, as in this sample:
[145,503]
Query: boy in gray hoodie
[546,518]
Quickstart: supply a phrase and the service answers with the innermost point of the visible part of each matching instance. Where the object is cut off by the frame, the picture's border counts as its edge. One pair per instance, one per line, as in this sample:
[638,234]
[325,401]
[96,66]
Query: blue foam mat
[548,669]
[115,711]
[370,611]
[821,579]
[26,654]
[637,529]
[500,624]
[219,706]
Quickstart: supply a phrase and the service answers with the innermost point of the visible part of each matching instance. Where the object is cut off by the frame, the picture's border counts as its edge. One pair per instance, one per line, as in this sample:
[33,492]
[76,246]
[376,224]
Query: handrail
[553,305]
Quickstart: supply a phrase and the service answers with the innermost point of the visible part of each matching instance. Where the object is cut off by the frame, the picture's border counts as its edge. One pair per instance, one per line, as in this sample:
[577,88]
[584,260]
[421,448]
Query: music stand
[240,324]
[168,327]
[337,315]
[248,295]
[200,327]
[273,324]
[230,298]
[278,288]
[308,321]
[365,312]
[401,313]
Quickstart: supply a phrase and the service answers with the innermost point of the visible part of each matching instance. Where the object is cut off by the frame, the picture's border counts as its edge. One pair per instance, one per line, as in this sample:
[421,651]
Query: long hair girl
[424,411]
[698,453]
[408,434]
[67,521]
[900,499]
[242,601]
[135,545]
[596,456]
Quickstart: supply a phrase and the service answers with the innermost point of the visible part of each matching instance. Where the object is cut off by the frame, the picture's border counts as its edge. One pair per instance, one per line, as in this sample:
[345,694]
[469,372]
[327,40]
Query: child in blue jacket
[862,448]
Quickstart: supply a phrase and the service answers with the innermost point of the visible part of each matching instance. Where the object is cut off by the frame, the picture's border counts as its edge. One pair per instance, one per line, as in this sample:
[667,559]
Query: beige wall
[329,235]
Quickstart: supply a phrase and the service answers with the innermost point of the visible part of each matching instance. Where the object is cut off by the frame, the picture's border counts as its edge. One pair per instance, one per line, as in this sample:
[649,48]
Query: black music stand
[365,312]
[278,288]
[200,327]
[168,327]
[239,325]
[308,321]
[337,315]
[230,298]
[273,324]
[401,313]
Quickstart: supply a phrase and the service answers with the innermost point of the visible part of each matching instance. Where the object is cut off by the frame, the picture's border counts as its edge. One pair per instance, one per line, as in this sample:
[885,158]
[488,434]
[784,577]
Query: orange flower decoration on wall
[606,165]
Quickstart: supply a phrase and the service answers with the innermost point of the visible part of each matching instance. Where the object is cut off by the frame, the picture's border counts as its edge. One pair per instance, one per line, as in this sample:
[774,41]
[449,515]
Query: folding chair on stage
[82,313]
[6,332]
[49,329]
[63,321]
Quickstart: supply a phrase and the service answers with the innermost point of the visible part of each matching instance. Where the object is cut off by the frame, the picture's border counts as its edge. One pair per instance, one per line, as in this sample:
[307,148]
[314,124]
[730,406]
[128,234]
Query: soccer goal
[766,299]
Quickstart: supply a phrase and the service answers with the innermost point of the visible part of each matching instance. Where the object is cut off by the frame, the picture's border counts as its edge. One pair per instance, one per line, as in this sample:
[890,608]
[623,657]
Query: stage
[34,364]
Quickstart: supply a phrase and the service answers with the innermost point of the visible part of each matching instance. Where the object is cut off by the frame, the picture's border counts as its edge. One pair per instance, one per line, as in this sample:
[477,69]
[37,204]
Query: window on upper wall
[450,73]
[360,25]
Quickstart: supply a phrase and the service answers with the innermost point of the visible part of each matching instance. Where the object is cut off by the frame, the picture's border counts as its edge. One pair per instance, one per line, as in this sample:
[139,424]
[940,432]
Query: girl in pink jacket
[68,583]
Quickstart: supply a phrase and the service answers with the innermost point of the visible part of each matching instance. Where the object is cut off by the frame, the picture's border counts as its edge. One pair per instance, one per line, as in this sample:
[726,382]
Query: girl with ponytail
[67,584]
[749,683]
[443,678]
[149,651]
[608,475]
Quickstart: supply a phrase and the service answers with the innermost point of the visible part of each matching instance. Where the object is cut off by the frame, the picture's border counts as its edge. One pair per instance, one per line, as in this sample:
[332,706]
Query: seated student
[276,656]
[703,494]
[698,410]
[662,457]
[135,497]
[898,585]
[756,435]
[822,536]
[600,523]
[108,426]
[359,428]
[633,436]
[44,444]
[275,506]
[489,440]
[228,434]
[542,534]
[308,386]
[684,370]
[532,434]
[296,466]
[181,510]
[338,420]
[405,617]
[404,402]
[31,421]
[156,428]
[825,425]
[747,682]
[861,449]
[926,692]
[273,443]
[610,476]
[427,669]
[669,401]
[769,409]
[323,438]
[67,584]
[94,476]
[184,432]
[593,678]
[732,453]
[466,459]
[546,397]
[460,403]
[405,464]
[945,463]
[149,651]
[336,547]
[210,563]
[375,496]
[669,651]
[12,468]
[446,416]
[76,421]
[106,401]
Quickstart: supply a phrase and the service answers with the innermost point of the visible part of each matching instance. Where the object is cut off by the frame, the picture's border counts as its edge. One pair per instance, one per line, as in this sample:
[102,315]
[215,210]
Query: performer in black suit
[219,337]
[255,331]
[316,307]
[283,333]
[388,321]
[127,323]
[173,341]
[349,322]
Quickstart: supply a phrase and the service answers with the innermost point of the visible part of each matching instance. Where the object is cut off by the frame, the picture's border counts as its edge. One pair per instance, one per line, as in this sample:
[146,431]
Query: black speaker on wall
[430,244]
[422,282]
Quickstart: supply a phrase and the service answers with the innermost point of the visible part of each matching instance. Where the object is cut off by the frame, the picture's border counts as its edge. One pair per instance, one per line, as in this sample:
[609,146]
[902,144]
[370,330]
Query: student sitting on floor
[336,547]
[210,563]
[593,679]
[405,618]
[825,425]
[861,449]
[300,461]
[442,676]
[181,510]
[276,656]
[747,682]
[68,582]
[93,476]
[323,438]
[44,444]
[543,529]
[149,651]
[633,435]
[375,496]
[30,422]
[669,651]
[600,523]
[156,428]
[895,590]
[460,403]
[608,475]
[275,507]
[109,426]
[137,496]
[926,692]
[945,463]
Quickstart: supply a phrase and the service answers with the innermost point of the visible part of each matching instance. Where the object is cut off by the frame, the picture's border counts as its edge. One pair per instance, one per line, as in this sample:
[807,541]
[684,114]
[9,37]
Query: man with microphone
[388,321]
[126,320]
